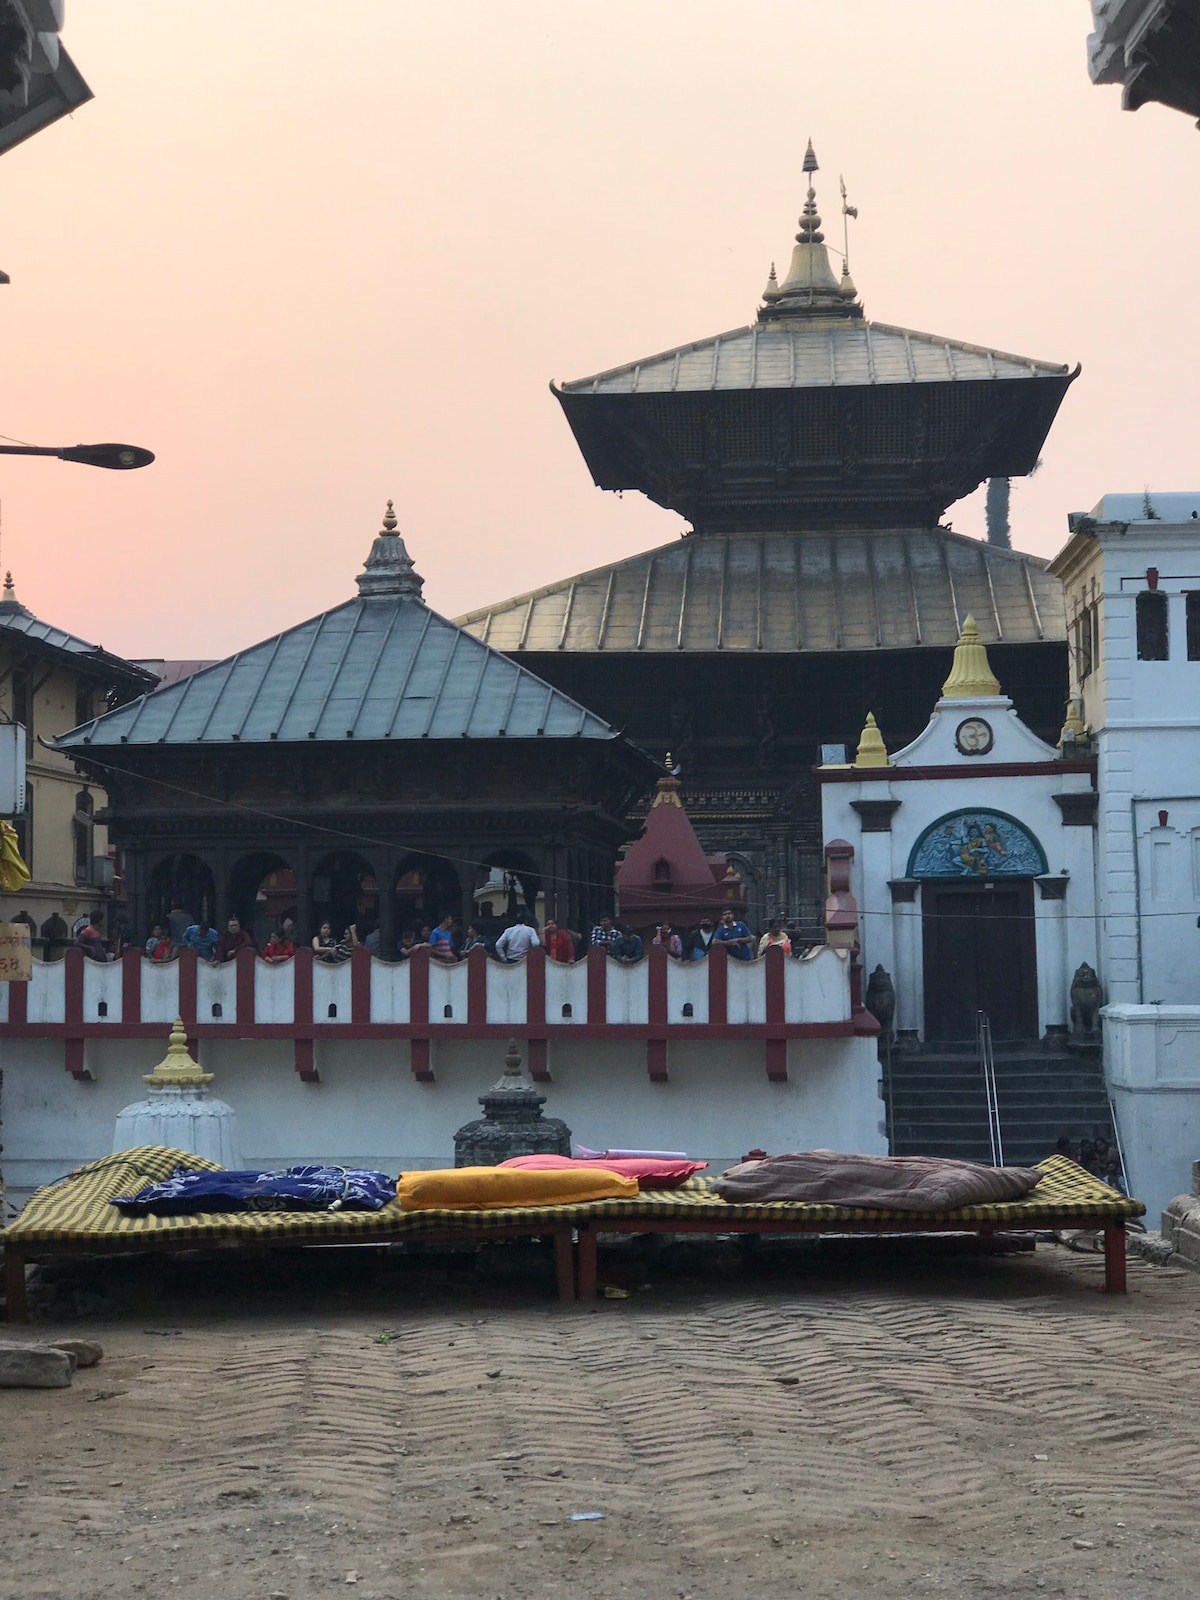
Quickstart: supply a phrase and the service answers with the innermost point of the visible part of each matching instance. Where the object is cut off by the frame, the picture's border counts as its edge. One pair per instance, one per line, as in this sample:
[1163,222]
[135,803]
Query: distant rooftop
[17,621]
[1147,507]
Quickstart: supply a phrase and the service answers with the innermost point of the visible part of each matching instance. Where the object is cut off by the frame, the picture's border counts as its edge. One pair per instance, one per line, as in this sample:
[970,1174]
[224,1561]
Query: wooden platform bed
[74,1218]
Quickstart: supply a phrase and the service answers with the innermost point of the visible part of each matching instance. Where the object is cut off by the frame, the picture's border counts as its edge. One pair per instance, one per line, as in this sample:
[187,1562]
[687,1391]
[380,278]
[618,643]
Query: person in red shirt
[279,948]
[559,943]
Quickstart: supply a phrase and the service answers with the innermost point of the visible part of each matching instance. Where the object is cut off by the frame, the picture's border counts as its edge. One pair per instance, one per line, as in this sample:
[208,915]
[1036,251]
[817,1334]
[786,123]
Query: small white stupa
[179,1112]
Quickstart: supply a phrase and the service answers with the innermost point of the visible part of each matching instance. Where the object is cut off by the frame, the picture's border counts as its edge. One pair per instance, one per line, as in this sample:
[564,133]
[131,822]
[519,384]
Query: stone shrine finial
[667,788]
[9,598]
[177,1069]
[971,677]
[871,752]
[389,569]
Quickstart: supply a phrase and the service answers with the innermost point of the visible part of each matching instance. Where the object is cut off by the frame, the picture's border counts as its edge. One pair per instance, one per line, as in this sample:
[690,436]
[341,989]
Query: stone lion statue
[1086,999]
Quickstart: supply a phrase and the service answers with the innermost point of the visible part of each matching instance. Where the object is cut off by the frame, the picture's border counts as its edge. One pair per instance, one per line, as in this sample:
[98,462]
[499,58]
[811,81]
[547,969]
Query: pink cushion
[651,1172]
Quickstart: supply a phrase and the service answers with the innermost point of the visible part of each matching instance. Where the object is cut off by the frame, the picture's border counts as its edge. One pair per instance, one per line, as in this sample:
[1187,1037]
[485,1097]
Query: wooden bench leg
[564,1263]
[16,1301]
[588,1268]
[1114,1259]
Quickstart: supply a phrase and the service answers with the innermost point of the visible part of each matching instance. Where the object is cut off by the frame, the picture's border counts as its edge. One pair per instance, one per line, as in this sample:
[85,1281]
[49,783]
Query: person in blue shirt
[627,947]
[202,939]
[441,940]
[735,936]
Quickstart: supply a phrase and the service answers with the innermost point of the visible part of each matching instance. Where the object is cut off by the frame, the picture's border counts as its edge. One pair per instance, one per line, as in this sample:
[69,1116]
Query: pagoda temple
[813,454]
[371,766]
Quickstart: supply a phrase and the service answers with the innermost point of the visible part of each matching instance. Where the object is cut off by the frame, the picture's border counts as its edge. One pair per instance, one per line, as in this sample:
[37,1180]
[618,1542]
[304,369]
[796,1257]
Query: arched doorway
[977,917]
[344,891]
[182,890]
[426,889]
[262,892]
[507,884]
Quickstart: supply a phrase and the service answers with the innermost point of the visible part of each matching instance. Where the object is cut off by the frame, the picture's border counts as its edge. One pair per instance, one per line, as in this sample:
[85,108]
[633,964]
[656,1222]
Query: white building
[1131,572]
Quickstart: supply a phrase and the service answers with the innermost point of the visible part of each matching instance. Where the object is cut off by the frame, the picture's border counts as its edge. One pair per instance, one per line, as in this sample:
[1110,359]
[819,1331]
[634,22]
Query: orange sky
[315,255]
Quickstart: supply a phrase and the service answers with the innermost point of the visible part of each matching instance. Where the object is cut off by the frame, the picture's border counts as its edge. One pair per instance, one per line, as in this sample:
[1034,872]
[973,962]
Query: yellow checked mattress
[76,1211]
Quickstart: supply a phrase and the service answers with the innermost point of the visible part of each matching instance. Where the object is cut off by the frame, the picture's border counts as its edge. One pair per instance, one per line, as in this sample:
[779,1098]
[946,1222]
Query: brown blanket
[890,1183]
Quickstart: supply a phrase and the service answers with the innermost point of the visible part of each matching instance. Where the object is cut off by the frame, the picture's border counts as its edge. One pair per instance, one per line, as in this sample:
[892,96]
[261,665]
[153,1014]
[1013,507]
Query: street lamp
[117,457]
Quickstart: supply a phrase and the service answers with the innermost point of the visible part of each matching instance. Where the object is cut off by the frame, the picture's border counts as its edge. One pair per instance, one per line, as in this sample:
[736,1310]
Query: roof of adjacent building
[17,623]
[807,591]
[818,353]
[382,666]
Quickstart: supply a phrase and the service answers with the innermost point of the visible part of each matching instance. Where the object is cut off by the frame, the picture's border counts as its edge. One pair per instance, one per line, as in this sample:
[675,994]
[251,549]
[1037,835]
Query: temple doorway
[980,955]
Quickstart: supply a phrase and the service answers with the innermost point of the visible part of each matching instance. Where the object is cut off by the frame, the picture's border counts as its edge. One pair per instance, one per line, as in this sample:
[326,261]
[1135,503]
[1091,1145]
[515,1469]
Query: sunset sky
[315,256]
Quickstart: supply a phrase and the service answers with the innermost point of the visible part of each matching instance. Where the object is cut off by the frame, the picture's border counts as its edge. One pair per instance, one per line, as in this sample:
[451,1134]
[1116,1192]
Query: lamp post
[117,457]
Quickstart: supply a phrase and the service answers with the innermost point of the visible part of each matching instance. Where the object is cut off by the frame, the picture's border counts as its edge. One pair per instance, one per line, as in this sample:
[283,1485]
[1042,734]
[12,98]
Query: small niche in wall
[567,1010]
[102,1008]
[332,1012]
[217,1011]
[447,1012]
[689,1009]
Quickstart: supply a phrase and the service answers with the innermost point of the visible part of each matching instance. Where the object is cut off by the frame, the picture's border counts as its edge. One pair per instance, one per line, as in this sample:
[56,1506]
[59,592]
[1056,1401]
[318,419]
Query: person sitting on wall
[476,939]
[278,948]
[735,936]
[91,941]
[202,939]
[324,944]
[441,941]
[559,942]
[234,938]
[515,943]
[667,939]
[695,945]
[605,934]
[348,943]
[775,934]
[628,947]
[408,943]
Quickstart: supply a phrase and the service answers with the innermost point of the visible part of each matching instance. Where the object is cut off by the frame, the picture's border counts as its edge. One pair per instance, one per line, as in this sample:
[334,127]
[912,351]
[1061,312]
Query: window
[83,702]
[1084,643]
[22,700]
[81,834]
[1152,637]
[662,871]
[1193,624]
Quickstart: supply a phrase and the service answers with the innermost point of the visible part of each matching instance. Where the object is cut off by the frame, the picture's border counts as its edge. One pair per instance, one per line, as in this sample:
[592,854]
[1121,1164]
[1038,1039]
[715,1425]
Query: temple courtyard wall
[368,1109]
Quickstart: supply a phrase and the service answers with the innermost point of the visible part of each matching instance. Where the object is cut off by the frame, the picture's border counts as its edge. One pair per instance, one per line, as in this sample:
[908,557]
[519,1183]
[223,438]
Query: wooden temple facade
[813,454]
[371,765]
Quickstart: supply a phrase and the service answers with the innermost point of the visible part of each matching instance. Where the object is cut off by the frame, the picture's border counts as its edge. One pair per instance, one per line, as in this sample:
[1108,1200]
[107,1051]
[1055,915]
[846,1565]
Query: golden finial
[771,292]
[1074,729]
[389,519]
[971,676]
[10,594]
[177,1070]
[871,752]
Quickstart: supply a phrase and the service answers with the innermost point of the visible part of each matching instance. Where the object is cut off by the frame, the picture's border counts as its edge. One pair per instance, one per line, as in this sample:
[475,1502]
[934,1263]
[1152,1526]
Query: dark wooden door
[980,955]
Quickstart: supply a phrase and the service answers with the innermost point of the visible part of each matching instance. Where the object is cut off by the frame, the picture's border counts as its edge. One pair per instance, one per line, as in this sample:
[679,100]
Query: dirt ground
[858,1420]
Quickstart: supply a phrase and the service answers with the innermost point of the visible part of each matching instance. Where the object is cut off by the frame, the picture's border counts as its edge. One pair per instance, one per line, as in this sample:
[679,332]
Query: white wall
[369,1110]
[1152,1059]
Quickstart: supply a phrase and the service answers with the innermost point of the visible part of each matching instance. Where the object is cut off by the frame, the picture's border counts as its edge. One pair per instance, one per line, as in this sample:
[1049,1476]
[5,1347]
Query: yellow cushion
[490,1188]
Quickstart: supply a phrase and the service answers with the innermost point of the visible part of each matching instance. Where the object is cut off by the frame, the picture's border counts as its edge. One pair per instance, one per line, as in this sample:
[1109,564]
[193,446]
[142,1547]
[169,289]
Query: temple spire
[971,676]
[810,287]
[9,597]
[389,568]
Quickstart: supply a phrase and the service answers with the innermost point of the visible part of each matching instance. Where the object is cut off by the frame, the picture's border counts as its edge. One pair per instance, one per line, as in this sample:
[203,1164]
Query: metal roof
[374,668]
[811,591]
[818,353]
[15,620]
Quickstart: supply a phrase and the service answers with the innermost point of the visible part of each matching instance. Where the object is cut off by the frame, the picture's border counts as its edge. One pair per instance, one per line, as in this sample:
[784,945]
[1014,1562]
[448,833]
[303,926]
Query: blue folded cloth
[293,1189]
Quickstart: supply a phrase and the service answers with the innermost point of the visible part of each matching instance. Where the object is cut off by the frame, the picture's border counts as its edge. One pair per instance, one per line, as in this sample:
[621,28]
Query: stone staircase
[939,1108]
